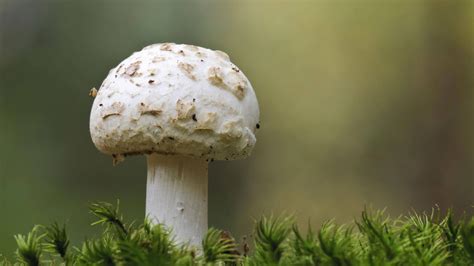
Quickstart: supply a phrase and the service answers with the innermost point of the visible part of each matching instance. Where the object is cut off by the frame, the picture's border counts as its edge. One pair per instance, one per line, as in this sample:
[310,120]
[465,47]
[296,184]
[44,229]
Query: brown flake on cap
[152,112]
[187,69]
[132,69]
[207,122]
[166,47]
[149,108]
[230,130]
[216,78]
[239,90]
[158,59]
[145,110]
[185,109]
[115,109]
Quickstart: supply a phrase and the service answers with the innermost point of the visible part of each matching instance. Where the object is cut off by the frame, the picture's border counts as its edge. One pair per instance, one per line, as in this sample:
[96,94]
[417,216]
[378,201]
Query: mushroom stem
[176,195]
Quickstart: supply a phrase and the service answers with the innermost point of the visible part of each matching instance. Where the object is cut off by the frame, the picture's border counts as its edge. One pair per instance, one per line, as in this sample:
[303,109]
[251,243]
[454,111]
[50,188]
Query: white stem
[176,195]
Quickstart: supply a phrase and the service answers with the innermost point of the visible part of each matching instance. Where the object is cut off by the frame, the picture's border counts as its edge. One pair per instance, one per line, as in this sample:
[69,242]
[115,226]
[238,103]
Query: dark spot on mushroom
[170,138]
[257,126]
[210,147]
[138,85]
[235,69]
[118,69]
[194,99]
[202,60]
[181,52]
[194,118]
[212,160]
[142,104]
[151,81]
[101,105]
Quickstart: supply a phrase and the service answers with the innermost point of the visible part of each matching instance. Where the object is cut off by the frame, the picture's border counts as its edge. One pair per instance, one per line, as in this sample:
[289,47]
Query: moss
[373,239]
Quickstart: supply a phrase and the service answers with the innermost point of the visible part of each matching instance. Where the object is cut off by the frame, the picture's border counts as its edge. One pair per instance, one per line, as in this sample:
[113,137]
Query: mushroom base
[177,195]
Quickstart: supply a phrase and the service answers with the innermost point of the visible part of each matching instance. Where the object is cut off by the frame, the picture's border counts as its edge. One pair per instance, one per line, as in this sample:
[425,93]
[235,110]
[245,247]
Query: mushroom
[182,106]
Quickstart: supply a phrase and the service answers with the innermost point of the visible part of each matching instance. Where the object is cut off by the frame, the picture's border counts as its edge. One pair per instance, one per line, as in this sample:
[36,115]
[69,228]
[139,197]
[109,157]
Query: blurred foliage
[361,102]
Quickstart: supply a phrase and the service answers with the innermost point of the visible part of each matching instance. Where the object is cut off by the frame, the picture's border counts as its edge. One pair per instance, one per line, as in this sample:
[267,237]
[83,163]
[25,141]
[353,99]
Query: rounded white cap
[176,99]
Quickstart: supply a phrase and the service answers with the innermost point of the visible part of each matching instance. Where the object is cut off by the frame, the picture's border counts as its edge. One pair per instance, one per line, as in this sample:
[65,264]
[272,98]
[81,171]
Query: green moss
[374,239]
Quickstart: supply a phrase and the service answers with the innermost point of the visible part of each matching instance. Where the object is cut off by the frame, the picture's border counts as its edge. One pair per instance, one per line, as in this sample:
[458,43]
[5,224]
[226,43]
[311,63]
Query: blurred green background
[362,102]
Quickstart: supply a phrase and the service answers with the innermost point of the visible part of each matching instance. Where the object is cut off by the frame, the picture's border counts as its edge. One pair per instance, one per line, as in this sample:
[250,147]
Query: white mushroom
[182,106]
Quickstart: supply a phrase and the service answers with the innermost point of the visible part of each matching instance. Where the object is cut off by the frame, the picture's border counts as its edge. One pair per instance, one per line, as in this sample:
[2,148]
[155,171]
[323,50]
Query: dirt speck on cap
[180,207]
[151,72]
[201,55]
[119,68]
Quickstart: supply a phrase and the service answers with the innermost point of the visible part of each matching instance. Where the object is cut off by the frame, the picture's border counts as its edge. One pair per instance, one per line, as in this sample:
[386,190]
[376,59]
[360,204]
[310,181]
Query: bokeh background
[362,102]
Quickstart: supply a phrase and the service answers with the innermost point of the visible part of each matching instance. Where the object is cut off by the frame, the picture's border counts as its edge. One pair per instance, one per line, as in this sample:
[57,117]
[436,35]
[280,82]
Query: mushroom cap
[175,99]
